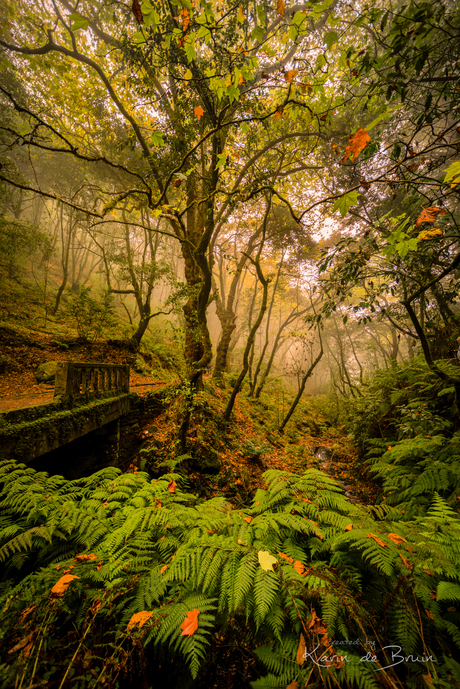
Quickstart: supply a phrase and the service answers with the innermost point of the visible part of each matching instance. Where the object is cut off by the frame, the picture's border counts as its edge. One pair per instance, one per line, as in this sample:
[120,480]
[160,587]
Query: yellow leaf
[190,624]
[429,234]
[266,560]
[138,619]
[291,75]
[300,657]
[240,15]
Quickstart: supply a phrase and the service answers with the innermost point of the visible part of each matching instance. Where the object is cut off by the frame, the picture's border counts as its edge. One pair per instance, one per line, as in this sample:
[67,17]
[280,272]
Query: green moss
[57,421]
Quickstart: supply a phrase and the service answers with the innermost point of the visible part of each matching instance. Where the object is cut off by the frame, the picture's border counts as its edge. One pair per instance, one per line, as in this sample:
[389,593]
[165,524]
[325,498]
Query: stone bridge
[91,402]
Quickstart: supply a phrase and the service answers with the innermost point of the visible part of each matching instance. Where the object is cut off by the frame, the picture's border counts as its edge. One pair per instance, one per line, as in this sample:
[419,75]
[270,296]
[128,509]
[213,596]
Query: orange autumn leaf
[300,657]
[185,19]
[157,503]
[138,619]
[317,625]
[349,527]
[199,112]
[163,569]
[377,540]
[190,624]
[396,539]
[291,75]
[405,563]
[280,7]
[429,215]
[172,486]
[356,144]
[286,557]
[298,566]
[279,113]
[61,586]
[248,519]
[293,685]
[84,557]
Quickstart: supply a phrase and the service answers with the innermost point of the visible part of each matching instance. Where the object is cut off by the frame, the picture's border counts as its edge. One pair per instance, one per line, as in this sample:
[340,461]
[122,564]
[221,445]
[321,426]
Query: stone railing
[83,381]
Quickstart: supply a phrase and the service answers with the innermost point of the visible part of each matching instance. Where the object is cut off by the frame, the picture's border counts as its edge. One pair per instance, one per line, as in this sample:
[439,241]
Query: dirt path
[45,394]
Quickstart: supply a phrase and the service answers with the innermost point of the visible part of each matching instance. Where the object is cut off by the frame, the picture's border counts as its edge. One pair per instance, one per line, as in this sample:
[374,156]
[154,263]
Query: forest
[255,205]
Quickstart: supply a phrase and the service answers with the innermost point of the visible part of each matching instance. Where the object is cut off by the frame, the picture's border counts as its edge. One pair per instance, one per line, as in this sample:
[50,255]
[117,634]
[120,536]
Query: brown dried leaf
[136,8]
[25,613]
[138,619]
[429,215]
[317,625]
[377,540]
[405,563]
[61,586]
[293,685]
[23,643]
[290,75]
[300,657]
[396,539]
[356,144]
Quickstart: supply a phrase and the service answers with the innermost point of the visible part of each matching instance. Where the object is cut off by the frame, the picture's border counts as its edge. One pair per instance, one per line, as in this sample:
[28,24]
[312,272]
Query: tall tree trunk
[302,385]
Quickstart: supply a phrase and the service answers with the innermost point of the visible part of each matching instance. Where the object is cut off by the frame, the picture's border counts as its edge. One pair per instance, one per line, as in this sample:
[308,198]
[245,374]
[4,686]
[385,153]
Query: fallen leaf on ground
[61,586]
[300,657]
[138,619]
[266,560]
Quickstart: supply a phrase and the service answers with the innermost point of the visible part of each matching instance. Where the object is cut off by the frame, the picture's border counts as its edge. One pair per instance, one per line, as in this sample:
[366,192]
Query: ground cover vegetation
[255,205]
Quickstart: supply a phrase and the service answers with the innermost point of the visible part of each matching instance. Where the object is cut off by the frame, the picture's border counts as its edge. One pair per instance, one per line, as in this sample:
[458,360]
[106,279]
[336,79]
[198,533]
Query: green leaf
[447,590]
[222,160]
[266,560]
[321,61]
[345,202]
[189,47]
[78,22]
[381,117]
[157,138]
[330,38]
[452,173]
[446,391]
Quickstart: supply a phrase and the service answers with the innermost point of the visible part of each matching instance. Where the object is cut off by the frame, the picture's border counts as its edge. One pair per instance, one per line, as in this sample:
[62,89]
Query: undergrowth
[317,590]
